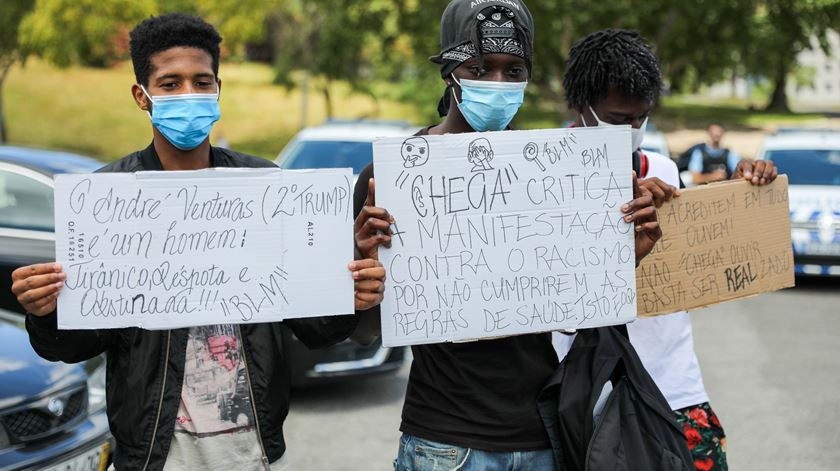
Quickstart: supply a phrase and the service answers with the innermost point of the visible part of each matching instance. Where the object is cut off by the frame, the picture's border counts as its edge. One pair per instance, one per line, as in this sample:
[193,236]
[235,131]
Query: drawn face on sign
[415,152]
[480,154]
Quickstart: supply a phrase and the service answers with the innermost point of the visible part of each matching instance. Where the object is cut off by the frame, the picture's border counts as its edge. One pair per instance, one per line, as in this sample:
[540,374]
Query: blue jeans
[416,454]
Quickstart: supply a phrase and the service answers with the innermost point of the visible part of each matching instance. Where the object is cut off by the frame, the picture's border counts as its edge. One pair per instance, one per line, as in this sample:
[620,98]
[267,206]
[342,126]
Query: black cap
[461,18]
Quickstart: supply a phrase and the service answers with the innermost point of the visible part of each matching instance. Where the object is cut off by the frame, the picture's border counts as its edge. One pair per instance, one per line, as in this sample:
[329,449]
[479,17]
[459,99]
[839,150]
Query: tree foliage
[331,40]
[89,32]
[781,29]
[362,42]
[12,13]
[239,21]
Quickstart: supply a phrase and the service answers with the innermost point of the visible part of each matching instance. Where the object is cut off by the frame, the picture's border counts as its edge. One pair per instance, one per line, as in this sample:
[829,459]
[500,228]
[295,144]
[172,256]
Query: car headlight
[96,389]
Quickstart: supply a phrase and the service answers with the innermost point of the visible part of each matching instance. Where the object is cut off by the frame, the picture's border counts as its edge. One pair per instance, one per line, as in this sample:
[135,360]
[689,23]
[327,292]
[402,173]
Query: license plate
[91,460]
[815,248]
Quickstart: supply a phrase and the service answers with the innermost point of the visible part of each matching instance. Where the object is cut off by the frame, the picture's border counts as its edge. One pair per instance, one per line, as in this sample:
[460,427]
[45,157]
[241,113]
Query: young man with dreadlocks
[613,78]
[473,406]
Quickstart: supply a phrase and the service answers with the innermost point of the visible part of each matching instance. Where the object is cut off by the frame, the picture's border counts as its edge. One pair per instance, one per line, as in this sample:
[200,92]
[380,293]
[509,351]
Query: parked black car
[52,415]
[26,208]
[347,359]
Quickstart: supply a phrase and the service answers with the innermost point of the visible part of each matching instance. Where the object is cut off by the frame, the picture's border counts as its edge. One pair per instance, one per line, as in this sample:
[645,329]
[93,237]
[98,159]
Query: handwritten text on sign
[174,249]
[505,233]
[720,242]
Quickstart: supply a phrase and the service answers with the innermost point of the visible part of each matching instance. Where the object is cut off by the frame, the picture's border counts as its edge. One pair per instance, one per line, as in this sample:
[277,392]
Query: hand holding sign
[758,172]
[660,190]
[373,226]
[37,286]
[369,278]
[642,213]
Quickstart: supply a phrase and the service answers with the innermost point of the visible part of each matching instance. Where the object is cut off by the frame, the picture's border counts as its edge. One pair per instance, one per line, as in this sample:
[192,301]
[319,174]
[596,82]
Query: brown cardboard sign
[720,242]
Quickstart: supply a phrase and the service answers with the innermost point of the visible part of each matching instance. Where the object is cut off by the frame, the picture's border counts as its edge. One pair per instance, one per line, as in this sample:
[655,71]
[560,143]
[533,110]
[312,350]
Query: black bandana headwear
[499,30]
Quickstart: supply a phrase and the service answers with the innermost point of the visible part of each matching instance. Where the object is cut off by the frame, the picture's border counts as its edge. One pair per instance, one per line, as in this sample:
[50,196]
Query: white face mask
[637,135]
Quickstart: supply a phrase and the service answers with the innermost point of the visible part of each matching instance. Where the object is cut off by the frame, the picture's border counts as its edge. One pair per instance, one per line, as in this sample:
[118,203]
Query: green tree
[12,13]
[88,32]
[239,21]
[780,30]
[330,40]
[679,31]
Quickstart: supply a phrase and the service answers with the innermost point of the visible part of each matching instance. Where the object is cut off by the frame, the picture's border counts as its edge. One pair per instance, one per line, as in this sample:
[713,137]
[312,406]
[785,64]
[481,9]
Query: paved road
[771,365]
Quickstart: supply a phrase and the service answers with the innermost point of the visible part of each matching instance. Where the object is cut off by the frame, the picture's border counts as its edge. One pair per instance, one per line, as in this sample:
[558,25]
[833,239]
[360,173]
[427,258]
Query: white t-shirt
[215,428]
[664,343]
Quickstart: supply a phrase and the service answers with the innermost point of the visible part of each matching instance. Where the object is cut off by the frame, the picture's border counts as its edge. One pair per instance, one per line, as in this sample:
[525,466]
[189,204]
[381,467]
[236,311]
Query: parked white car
[655,141]
[339,144]
[811,159]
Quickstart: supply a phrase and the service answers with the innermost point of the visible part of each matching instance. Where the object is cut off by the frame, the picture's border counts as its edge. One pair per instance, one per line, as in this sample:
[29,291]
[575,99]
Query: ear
[219,87]
[140,97]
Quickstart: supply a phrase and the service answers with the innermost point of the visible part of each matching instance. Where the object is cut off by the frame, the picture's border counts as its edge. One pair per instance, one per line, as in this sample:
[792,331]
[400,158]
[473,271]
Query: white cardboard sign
[161,250]
[506,233]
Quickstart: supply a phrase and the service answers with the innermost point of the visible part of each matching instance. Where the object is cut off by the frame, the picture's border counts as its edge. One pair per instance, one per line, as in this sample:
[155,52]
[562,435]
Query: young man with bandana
[613,78]
[158,381]
[473,406]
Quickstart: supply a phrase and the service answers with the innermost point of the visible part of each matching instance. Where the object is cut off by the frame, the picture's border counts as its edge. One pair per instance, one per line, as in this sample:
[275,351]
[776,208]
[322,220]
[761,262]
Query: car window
[329,154]
[808,166]
[25,203]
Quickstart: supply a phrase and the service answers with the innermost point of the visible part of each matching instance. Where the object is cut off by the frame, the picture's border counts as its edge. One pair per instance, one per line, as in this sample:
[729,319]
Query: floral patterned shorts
[705,436]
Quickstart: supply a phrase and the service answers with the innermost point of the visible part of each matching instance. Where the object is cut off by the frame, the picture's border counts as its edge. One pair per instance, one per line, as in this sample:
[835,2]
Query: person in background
[613,78]
[473,406]
[710,162]
[157,381]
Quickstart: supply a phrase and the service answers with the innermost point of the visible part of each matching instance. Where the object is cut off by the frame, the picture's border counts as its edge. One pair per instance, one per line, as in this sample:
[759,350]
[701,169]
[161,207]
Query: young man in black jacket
[157,420]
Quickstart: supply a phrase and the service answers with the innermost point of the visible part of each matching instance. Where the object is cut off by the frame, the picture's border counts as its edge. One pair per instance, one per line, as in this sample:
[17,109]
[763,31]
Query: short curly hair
[160,33]
[611,59]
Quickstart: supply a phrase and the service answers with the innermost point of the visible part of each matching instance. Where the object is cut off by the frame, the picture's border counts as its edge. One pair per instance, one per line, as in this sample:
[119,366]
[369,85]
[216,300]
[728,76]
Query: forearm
[322,332]
[369,327]
[69,346]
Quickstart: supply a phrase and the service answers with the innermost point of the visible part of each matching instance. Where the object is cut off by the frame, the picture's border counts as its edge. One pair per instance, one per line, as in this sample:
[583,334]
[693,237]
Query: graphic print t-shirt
[215,427]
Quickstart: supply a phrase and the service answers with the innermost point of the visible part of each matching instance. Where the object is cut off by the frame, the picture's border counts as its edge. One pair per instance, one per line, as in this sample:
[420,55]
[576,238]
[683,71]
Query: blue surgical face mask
[637,134]
[186,119]
[489,106]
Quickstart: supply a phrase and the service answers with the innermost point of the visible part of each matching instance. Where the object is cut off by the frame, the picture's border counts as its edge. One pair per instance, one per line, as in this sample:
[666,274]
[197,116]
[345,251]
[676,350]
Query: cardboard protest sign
[162,250]
[720,242]
[505,233]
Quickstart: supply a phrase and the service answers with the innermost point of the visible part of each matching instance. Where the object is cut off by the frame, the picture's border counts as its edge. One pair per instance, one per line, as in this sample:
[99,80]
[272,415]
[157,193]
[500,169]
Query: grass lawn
[677,113]
[686,113]
[91,111]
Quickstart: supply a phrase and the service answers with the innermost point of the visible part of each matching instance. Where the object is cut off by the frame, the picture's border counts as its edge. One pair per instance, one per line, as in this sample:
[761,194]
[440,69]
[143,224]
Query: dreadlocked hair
[611,59]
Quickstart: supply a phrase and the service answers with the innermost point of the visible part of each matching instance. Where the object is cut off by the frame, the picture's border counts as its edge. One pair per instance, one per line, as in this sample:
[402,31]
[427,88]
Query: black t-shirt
[480,395]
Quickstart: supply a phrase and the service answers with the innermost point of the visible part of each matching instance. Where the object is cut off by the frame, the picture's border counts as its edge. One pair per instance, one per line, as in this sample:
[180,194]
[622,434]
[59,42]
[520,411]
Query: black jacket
[636,429]
[146,368]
